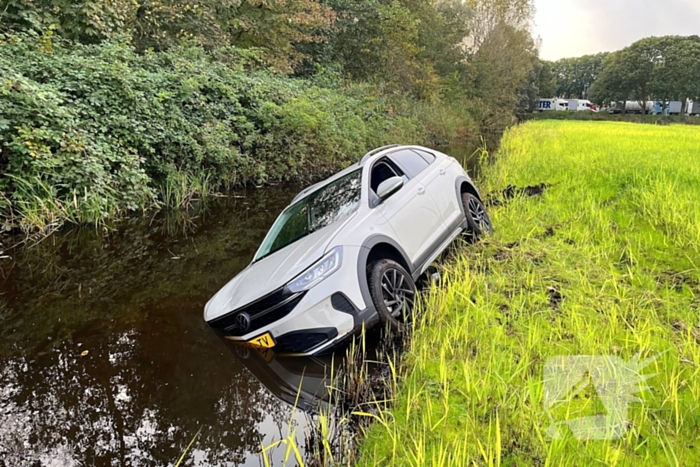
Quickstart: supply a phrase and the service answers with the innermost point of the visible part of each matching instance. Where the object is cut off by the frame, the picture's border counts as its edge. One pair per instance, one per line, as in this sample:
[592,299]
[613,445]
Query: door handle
[443,171]
[421,191]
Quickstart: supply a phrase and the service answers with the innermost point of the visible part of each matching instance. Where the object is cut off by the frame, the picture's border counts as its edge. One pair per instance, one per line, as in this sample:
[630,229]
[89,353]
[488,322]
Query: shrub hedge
[88,132]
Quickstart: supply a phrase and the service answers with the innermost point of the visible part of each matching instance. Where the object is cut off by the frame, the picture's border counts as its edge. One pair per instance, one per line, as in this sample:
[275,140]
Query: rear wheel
[393,293]
[478,219]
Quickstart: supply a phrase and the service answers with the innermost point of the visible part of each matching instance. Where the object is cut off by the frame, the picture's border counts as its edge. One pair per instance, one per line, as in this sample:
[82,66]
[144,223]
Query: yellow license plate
[266,341]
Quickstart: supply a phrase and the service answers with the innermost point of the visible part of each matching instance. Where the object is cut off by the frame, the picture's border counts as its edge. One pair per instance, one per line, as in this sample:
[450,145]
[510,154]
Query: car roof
[307,191]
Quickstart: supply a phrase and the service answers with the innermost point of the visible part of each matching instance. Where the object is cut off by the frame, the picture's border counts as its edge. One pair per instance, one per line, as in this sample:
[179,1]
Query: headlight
[318,272]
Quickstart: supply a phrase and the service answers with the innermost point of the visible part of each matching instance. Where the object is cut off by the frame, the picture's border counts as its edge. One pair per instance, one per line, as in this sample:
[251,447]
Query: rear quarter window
[429,158]
[410,161]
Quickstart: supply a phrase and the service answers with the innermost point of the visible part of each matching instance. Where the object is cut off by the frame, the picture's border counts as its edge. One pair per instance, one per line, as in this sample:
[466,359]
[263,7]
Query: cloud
[571,28]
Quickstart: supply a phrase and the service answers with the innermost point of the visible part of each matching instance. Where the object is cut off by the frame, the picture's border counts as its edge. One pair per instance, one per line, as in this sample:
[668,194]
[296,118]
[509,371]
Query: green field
[603,263]
[606,117]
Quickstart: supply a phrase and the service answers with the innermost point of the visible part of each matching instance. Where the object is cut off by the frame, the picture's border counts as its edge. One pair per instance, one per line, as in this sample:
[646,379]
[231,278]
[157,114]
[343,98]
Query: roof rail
[373,152]
[377,151]
[304,192]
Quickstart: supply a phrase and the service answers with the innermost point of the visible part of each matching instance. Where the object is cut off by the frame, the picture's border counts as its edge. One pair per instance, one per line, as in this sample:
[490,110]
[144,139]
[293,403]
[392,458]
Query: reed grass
[181,189]
[604,262]
[37,207]
[40,210]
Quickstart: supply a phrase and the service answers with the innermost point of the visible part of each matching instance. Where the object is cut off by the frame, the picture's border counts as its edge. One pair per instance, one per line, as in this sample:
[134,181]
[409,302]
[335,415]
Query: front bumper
[306,323]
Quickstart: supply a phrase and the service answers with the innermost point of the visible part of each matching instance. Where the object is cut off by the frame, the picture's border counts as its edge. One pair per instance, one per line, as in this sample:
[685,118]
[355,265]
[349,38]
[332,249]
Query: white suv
[347,251]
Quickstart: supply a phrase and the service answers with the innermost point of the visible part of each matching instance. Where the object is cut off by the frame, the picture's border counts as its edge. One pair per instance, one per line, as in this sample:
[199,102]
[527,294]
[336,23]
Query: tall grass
[181,189]
[38,208]
[605,262]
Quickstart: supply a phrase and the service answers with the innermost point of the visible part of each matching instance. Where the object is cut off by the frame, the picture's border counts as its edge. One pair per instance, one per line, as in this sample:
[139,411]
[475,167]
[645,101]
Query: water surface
[105,358]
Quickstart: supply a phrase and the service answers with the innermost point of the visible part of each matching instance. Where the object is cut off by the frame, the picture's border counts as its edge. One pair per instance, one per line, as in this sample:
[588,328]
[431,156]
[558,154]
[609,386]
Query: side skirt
[446,242]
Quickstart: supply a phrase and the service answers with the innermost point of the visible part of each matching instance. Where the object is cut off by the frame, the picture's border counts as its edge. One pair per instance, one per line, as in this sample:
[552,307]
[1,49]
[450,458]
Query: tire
[478,220]
[391,286]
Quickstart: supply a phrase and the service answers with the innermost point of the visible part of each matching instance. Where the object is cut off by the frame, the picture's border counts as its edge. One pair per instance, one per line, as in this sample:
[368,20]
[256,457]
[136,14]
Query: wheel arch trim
[471,188]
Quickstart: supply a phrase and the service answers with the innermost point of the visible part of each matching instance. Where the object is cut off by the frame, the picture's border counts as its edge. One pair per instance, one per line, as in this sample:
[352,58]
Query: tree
[608,87]
[443,27]
[501,56]
[575,76]
[629,75]
[407,45]
[547,85]
[676,71]
[529,91]
[87,21]
[276,27]
[501,71]
[655,68]
[489,15]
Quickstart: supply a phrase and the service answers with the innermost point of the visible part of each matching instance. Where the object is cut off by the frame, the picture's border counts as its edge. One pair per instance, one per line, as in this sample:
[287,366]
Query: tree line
[652,69]
[422,47]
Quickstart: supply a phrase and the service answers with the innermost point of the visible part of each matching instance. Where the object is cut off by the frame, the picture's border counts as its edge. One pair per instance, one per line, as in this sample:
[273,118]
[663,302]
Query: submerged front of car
[300,295]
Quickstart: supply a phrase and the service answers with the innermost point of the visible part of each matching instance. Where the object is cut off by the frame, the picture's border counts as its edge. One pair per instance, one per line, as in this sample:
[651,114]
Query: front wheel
[478,220]
[393,293]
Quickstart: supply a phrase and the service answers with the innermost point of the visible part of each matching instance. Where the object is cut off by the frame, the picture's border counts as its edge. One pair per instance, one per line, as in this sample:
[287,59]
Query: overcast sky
[571,28]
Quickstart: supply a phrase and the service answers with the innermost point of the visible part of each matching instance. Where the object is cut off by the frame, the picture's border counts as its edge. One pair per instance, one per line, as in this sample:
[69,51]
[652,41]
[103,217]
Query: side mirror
[389,187]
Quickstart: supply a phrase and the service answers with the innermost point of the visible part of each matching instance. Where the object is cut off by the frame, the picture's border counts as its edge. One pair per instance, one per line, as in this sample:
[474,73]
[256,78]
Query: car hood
[272,272]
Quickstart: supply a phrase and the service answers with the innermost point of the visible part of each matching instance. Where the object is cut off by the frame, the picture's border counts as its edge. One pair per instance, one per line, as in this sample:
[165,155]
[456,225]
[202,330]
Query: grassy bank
[604,263]
[90,132]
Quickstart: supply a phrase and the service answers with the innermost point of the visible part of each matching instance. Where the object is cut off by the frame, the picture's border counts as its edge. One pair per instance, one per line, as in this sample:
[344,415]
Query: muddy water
[105,359]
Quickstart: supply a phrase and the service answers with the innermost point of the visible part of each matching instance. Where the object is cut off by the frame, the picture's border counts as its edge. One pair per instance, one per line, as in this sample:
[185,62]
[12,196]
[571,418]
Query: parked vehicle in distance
[581,105]
[347,251]
[546,105]
[693,109]
[634,107]
[674,108]
[613,108]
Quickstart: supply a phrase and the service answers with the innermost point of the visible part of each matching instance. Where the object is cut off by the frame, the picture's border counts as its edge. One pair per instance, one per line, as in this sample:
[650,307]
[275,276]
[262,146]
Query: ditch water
[105,358]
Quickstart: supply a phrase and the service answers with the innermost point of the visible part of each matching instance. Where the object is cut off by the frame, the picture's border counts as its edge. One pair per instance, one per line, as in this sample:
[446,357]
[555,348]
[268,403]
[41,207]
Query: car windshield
[327,205]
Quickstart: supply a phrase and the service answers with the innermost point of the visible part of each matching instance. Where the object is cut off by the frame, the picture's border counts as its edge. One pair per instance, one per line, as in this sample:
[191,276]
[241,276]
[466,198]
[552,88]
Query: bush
[88,132]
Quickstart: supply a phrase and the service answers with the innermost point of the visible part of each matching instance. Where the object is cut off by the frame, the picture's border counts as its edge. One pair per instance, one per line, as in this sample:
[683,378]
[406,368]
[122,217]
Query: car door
[440,185]
[411,212]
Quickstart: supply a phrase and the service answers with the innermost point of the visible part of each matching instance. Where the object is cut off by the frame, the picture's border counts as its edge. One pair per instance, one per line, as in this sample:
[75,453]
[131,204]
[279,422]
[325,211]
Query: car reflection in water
[298,381]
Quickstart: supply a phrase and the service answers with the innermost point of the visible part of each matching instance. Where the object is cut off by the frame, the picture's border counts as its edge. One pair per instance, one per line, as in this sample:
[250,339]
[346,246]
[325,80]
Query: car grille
[258,314]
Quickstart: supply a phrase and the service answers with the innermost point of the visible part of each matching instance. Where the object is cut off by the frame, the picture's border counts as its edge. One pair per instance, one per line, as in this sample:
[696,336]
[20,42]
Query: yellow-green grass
[605,262]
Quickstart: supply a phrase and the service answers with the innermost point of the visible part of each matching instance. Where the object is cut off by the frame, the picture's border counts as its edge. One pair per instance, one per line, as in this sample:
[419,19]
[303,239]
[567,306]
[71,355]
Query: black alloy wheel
[478,219]
[393,293]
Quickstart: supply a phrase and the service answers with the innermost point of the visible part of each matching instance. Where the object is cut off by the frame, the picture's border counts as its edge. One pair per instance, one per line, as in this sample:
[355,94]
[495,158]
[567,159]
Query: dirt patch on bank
[512,192]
